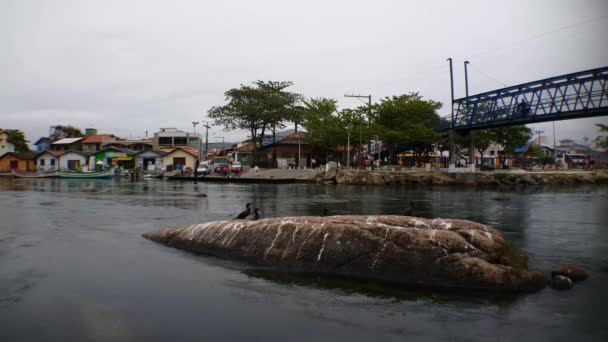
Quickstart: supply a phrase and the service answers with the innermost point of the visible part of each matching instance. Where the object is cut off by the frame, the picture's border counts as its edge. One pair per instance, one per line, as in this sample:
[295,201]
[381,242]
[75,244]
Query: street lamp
[539,132]
[194,123]
[348,128]
[223,147]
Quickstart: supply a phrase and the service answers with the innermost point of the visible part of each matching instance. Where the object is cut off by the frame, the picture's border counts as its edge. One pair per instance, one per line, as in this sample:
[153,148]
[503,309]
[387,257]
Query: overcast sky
[127,67]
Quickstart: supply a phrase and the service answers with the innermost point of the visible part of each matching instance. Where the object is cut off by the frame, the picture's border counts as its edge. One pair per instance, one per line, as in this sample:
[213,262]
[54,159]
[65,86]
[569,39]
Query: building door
[14,164]
[73,164]
[179,161]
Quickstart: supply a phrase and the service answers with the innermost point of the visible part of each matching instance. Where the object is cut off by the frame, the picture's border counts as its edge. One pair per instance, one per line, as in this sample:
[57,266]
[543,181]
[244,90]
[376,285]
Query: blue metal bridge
[573,96]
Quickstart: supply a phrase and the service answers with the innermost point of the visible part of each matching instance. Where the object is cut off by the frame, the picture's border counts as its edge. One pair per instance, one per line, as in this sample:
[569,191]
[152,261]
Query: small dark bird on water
[201,195]
[245,213]
[254,216]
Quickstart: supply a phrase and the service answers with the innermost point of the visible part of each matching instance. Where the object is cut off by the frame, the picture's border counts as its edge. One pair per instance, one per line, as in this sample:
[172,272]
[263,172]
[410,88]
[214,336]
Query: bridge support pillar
[472,151]
[452,147]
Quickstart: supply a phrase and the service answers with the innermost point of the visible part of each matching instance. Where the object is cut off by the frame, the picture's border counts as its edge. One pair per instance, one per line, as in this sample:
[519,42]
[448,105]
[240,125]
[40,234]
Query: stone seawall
[360,177]
[406,250]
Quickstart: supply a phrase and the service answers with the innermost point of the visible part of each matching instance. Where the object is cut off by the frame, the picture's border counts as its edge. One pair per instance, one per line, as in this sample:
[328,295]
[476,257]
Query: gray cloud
[127,67]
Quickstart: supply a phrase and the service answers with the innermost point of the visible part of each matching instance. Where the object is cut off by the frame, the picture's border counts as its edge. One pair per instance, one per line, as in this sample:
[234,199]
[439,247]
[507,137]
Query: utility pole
[369,103]
[194,123]
[471,132]
[348,128]
[451,133]
[206,140]
[539,132]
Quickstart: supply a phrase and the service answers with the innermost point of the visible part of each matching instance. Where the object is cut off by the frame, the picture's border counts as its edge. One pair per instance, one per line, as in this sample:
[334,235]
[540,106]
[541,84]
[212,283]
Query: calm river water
[74,267]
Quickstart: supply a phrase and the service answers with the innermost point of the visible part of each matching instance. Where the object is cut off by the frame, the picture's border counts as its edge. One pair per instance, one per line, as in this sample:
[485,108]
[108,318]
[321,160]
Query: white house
[71,160]
[150,160]
[5,145]
[48,160]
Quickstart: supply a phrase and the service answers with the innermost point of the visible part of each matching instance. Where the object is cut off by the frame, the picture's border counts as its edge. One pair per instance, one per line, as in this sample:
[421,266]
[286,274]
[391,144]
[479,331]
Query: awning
[123,158]
[522,149]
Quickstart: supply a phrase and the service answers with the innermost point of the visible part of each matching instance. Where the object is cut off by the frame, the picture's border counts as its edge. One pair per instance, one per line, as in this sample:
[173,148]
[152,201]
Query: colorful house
[180,158]
[71,160]
[43,144]
[94,143]
[150,160]
[287,150]
[68,144]
[19,161]
[5,145]
[111,156]
[48,160]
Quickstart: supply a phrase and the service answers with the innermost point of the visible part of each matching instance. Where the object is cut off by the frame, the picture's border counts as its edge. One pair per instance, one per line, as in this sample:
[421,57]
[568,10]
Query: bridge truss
[577,95]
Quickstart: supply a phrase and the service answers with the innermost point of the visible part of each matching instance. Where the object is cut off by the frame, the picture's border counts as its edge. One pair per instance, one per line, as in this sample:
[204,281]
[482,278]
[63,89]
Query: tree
[62,132]
[324,128]
[17,138]
[510,138]
[407,119]
[602,141]
[255,108]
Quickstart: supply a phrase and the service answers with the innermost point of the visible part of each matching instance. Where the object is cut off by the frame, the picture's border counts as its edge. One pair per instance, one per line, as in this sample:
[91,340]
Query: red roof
[245,148]
[54,153]
[99,138]
[185,149]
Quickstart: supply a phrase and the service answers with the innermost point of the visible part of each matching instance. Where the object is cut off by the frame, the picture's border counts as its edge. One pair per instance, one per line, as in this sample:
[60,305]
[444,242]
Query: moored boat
[47,174]
[87,175]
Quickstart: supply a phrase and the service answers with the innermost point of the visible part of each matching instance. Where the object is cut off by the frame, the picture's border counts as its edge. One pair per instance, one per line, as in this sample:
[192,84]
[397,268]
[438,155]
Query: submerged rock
[560,282]
[573,272]
[407,250]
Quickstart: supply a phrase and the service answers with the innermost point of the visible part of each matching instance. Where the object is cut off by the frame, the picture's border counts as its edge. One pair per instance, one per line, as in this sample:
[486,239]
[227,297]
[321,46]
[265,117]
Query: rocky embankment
[406,250]
[359,177]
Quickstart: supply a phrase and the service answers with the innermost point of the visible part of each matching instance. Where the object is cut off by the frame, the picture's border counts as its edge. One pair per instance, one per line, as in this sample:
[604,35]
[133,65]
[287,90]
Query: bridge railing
[581,94]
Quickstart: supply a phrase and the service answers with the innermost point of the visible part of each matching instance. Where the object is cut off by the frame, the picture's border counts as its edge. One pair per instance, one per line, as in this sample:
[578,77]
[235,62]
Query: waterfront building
[109,157]
[172,137]
[71,160]
[150,160]
[19,161]
[94,143]
[287,150]
[48,160]
[43,144]
[5,145]
[133,145]
[68,144]
[180,158]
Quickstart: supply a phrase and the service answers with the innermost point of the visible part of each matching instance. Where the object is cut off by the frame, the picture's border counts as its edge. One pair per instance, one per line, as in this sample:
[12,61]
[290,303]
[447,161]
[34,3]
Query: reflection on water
[73,265]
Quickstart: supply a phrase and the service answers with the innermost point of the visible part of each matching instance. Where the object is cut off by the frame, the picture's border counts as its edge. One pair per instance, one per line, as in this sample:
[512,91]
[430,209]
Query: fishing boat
[45,174]
[87,175]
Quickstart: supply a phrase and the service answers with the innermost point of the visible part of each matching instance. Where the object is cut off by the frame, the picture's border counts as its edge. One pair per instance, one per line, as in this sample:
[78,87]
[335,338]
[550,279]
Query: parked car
[221,168]
[203,169]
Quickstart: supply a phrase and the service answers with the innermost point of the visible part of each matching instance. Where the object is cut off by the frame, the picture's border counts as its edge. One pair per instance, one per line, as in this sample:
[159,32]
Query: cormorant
[255,216]
[245,213]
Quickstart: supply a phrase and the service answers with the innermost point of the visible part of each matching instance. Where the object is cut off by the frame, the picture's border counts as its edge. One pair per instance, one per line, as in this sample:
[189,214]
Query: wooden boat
[87,175]
[47,174]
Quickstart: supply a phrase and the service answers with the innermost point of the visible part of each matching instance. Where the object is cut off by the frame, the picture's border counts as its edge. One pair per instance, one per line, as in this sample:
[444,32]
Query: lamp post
[539,132]
[194,123]
[299,155]
[348,128]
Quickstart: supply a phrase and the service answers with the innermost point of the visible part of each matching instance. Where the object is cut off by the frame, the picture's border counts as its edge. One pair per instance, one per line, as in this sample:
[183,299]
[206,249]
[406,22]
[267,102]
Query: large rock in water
[408,250]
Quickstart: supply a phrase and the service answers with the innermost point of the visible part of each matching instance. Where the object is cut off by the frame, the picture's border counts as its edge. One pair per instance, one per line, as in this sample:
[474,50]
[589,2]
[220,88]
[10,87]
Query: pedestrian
[313,163]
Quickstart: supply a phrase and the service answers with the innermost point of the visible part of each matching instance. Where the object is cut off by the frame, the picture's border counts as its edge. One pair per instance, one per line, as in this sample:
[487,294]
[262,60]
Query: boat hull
[87,175]
[18,174]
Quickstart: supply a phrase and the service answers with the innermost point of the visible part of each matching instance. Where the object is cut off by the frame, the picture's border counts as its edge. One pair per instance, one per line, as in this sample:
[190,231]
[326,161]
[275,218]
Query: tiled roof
[99,138]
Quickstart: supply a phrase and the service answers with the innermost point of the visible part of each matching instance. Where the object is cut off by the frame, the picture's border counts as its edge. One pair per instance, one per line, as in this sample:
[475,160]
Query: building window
[491,153]
[41,162]
[165,141]
[180,141]
[52,162]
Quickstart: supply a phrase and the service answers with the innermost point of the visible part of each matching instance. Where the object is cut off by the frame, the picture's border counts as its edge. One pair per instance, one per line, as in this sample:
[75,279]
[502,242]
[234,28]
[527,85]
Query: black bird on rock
[254,216]
[245,213]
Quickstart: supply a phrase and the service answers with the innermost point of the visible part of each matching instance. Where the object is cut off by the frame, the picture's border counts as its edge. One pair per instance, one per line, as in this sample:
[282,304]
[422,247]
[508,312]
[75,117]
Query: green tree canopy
[406,119]
[324,129]
[602,141]
[17,138]
[62,132]
[256,108]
